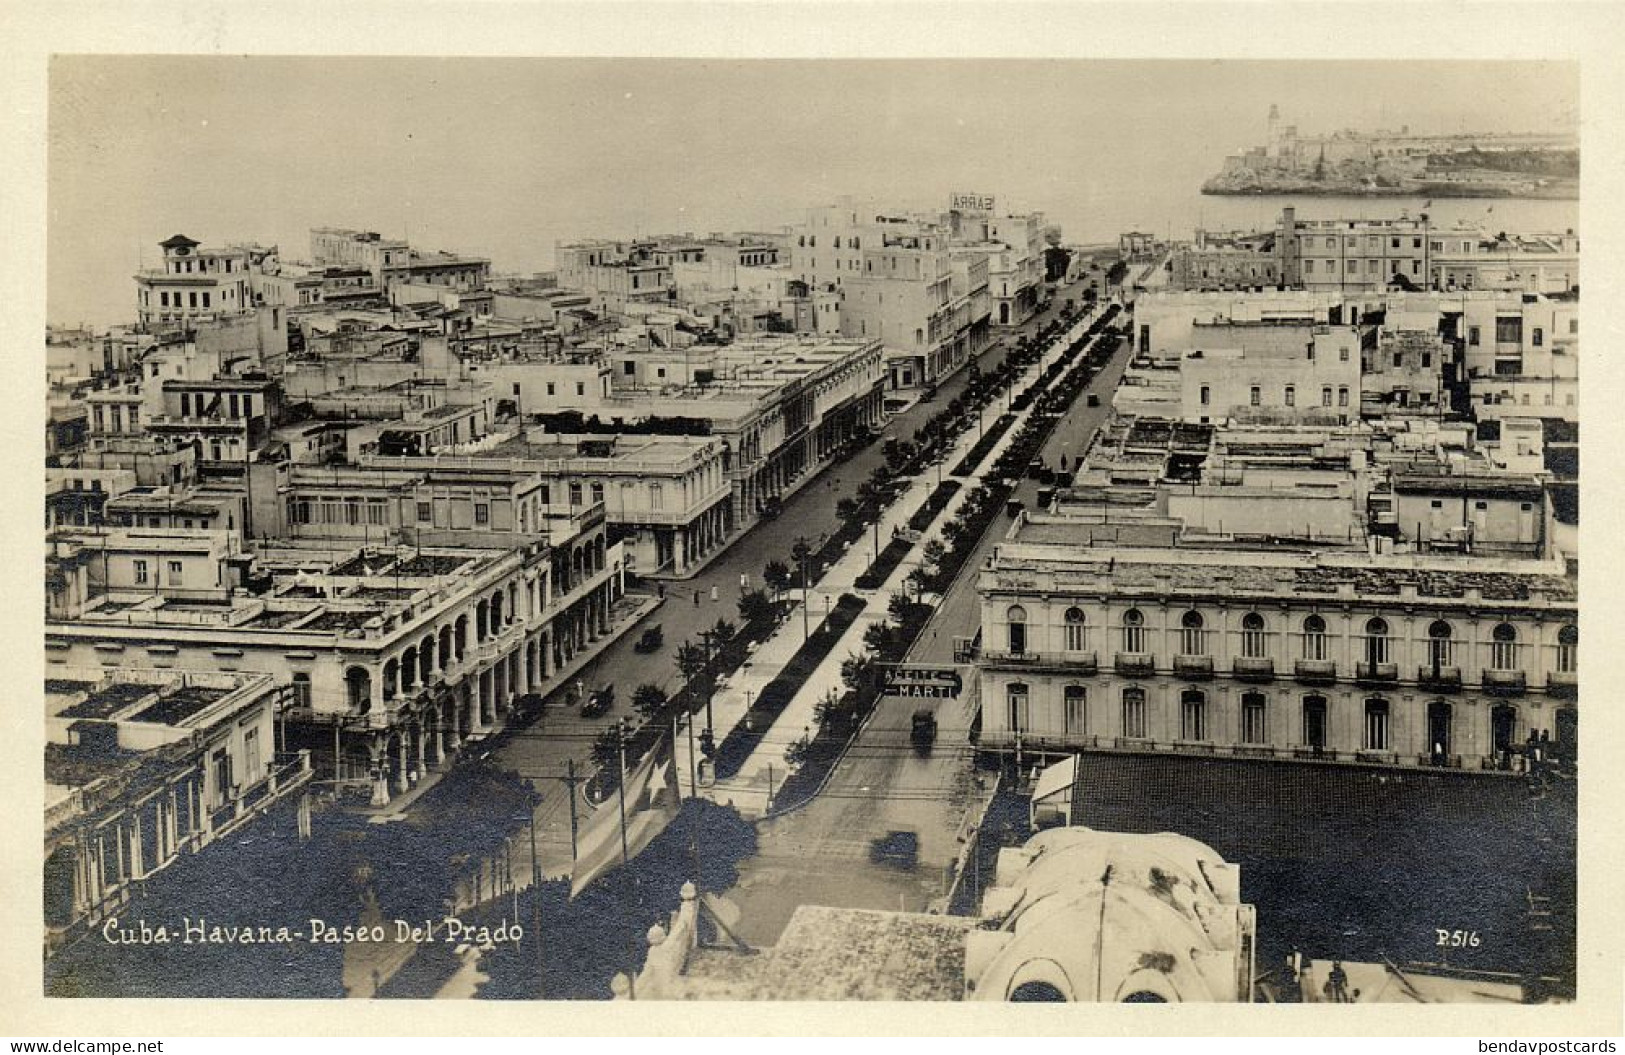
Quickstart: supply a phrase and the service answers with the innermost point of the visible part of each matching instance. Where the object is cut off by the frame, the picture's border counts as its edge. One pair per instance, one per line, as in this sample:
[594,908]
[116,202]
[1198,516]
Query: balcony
[1376,673]
[1439,679]
[1505,682]
[1060,662]
[1562,683]
[1315,671]
[1136,664]
[1193,666]
[1249,668]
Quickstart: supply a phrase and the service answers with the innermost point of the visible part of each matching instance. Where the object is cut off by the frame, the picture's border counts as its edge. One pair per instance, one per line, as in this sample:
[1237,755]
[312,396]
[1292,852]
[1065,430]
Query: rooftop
[1271,573]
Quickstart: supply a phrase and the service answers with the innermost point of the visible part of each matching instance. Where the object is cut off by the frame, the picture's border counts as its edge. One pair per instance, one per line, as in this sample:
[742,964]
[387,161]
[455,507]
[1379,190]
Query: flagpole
[622,794]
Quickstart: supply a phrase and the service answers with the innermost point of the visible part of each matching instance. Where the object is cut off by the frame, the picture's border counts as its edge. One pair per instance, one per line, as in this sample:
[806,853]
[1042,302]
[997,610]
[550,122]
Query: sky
[505,157]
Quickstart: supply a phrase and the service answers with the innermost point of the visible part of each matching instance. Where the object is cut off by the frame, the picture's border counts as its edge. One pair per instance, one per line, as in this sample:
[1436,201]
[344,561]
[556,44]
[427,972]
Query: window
[1252,636]
[251,755]
[1133,631]
[1191,641]
[1326,396]
[1206,395]
[301,690]
[1134,713]
[1254,724]
[597,491]
[424,512]
[1291,396]
[1309,267]
[1016,616]
[1314,638]
[140,572]
[1399,359]
[1439,650]
[1568,649]
[1017,699]
[1376,724]
[575,493]
[581,388]
[1472,336]
[175,573]
[1076,712]
[1314,722]
[1427,359]
[1537,337]
[1255,395]
[1376,641]
[1504,647]
[1343,355]
[657,497]
[1342,396]
[1193,715]
[1073,637]
[1509,330]
[551,387]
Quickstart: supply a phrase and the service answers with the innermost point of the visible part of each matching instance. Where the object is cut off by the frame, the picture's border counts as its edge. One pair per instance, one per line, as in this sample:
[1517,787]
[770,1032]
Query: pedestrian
[696,598]
[713,593]
[661,587]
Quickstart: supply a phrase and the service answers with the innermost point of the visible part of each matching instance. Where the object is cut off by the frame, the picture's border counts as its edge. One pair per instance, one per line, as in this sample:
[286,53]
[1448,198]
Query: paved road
[542,752]
[821,853]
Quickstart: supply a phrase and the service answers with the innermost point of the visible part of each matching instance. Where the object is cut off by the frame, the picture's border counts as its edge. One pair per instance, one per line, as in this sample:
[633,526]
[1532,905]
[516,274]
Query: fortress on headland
[1489,164]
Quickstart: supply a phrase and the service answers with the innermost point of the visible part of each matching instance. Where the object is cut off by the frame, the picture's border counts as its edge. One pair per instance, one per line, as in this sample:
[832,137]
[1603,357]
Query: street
[543,751]
[821,854]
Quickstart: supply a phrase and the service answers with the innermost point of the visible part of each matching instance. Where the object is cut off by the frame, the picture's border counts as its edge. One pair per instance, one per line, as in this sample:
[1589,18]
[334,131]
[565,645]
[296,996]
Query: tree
[606,751]
[796,753]
[856,671]
[846,509]
[691,659]
[899,607]
[723,631]
[777,575]
[934,551]
[754,607]
[877,638]
[648,700]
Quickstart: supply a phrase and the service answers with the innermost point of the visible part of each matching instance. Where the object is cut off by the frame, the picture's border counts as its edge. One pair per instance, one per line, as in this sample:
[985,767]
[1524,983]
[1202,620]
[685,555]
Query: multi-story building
[1464,260]
[901,280]
[1352,256]
[392,655]
[145,766]
[196,284]
[392,261]
[1331,655]
[615,274]
[1235,260]
[1166,322]
[1267,372]
[667,498]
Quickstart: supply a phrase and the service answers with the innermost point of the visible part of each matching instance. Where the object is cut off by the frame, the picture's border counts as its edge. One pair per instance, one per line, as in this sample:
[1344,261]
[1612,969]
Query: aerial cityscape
[1010,582]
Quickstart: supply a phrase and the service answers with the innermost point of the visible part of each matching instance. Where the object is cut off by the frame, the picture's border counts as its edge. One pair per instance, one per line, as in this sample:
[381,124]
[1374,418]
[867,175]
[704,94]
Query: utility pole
[536,903]
[571,780]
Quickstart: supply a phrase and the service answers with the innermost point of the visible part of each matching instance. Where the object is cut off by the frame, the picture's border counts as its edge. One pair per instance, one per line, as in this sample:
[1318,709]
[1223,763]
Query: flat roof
[1262,572]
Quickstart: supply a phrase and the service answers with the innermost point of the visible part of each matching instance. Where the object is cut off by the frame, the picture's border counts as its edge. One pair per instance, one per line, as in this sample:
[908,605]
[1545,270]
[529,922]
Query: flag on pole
[616,834]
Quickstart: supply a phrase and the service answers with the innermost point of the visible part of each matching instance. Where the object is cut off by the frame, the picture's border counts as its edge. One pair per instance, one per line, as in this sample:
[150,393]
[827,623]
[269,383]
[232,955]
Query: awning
[1056,780]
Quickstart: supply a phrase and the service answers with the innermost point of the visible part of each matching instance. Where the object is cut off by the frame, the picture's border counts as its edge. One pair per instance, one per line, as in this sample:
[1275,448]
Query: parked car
[599,702]
[650,640]
[896,848]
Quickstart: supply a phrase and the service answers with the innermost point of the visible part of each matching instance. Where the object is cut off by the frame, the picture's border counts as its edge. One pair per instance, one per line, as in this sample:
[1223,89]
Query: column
[402,781]
[376,760]
[440,732]
[136,864]
[419,767]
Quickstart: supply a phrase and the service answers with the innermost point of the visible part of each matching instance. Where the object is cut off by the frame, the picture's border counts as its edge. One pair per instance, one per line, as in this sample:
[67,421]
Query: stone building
[1400,661]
